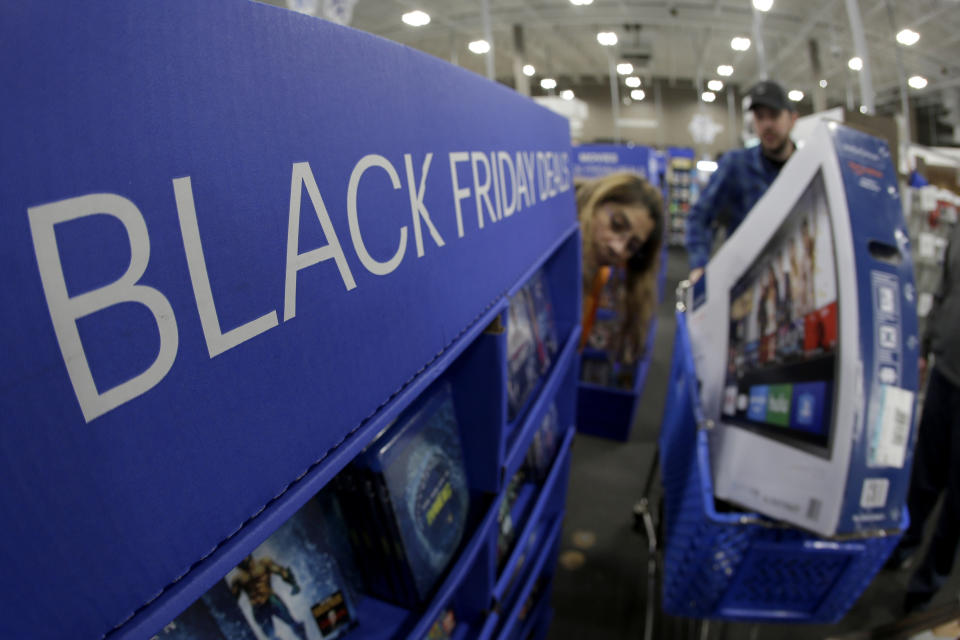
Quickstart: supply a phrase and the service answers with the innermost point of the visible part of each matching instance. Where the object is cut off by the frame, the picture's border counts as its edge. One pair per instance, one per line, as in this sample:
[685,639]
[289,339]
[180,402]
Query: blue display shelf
[609,412]
[545,506]
[539,615]
[227,284]
[503,623]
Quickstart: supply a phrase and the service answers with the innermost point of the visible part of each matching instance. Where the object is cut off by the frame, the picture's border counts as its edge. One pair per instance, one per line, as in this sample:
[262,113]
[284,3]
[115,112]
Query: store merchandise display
[596,160]
[811,382]
[681,193]
[201,349]
[531,342]
[409,498]
[292,580]
[932,216]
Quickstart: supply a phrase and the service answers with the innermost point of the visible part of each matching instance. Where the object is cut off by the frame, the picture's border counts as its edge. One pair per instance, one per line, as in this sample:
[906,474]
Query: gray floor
[605,597]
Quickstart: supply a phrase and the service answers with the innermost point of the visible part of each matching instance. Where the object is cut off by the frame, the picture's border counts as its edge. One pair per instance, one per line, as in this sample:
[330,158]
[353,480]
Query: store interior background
[676,47]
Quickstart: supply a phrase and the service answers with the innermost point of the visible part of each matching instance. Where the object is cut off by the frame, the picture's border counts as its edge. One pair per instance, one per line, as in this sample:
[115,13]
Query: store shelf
[547,554]
[543,396]
[550,486]
[493,627]
[457,574]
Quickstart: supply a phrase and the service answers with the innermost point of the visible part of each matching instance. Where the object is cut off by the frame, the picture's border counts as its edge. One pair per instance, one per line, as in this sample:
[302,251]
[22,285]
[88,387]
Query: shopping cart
[733,565]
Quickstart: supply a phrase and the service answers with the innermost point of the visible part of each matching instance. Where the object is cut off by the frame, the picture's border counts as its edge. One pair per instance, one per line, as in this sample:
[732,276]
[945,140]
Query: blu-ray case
[531,341]
[291,586]
[420,460]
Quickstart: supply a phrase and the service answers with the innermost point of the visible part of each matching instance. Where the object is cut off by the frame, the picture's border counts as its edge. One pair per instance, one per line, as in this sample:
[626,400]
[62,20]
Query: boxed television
[804,333]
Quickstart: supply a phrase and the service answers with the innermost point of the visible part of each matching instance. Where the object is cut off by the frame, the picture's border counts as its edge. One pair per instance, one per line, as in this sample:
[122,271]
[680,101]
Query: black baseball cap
[770,94]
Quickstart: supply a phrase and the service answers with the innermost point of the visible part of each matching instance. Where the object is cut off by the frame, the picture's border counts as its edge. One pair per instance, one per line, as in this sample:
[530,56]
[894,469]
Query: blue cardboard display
[596,160]
[237,240]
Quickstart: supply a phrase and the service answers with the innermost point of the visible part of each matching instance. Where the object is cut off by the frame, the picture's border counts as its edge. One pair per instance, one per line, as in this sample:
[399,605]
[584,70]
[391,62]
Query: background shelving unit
[681,192]
[150,503]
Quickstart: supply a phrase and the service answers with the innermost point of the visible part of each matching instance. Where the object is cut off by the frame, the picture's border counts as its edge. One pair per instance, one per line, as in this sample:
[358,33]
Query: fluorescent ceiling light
[581,3]
[823,84]
[638,94]
[917,82]
[708,96]
[796,95]
[567,94]
[740,44]
[416,18]
[607,38]
[479,46]
[908,37]
[548,83]
[633,82]
[725,70]
[707,166]
[855,63]
[624,68]
[763,5]
[715,85]
[529,70]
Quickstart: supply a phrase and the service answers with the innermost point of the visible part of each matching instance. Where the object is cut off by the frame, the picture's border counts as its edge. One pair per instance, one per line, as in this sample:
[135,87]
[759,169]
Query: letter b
[66,310]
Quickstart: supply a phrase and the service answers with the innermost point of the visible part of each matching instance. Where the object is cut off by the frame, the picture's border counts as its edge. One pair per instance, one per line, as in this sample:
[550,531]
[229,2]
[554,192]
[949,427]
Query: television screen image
[782,349]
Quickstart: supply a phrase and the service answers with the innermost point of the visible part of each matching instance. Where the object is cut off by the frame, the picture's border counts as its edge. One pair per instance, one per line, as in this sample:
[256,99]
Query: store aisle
[600,588]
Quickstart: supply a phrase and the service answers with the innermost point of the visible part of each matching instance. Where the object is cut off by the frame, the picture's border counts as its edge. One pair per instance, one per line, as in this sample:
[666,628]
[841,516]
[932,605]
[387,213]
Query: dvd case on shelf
[531,341]
[288,588]
[415,504]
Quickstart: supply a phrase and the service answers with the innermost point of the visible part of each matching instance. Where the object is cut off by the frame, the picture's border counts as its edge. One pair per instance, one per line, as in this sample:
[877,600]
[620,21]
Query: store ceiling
[685,39]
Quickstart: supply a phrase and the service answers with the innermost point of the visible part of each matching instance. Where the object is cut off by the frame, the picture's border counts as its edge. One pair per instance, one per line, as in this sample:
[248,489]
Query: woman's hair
[640,296]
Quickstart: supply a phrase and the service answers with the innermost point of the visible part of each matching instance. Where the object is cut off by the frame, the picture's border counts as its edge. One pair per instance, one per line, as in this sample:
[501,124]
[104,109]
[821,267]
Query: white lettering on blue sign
[502,185]
[65,310]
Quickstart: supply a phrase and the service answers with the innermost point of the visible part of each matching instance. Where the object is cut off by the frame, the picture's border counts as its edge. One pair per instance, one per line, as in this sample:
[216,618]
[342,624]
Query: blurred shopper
[936,462]
[621,224]
[743,175]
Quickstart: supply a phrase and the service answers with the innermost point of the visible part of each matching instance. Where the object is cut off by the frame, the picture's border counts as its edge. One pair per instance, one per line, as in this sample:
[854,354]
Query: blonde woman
[621,224]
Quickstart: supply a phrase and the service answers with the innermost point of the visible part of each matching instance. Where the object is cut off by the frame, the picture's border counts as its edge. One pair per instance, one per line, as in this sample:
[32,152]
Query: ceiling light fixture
[581,3]
[823,84]
[796,95]
[633,82]
[908,37]
[707,166]
[529,70]
[567,94]
[548,83]
[917,82]
[479,46]
[740,44]
[638,94]
[416,18]
[624,68]
[855,63]
[763,5]
[725,70]
[708,96]
[715,85]
[607,38]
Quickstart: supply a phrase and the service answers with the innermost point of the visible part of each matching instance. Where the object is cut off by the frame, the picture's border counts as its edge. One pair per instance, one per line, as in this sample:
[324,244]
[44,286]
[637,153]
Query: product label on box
[874,494]
[891,433]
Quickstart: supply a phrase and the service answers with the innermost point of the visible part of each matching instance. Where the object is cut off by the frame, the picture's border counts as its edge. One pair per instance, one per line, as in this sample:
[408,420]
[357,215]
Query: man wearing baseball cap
[743,175]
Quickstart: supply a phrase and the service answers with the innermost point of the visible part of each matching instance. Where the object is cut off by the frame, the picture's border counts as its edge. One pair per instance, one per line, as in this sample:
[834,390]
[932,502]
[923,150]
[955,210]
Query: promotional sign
[811,380]
[595,160]
[231,234]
